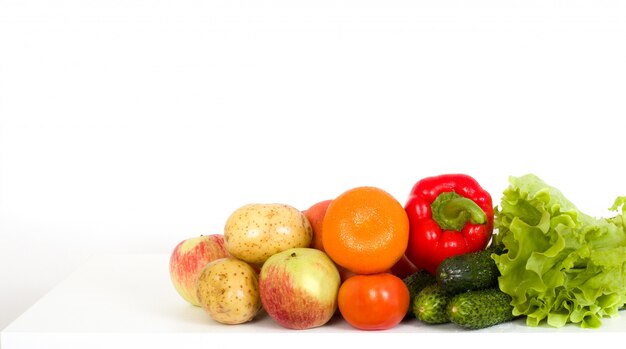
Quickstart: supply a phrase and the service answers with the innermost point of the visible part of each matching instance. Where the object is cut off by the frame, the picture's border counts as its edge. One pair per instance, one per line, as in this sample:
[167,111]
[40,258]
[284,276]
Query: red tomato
[373,302]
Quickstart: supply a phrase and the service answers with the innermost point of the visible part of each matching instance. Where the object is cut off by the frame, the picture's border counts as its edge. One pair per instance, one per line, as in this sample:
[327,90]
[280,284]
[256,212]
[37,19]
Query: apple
[403,268]
[299,288]
[188,259]
[315,214]
[344,273]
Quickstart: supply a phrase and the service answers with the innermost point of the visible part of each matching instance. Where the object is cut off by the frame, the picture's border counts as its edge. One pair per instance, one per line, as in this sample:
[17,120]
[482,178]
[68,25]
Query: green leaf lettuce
[559,264]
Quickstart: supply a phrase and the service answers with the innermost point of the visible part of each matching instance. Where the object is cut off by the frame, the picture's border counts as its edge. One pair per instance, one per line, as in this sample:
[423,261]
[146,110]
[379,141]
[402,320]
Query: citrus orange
[366,230]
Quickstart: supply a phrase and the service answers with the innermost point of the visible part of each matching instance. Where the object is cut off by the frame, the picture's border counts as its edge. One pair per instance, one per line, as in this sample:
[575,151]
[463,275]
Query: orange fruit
[366,230]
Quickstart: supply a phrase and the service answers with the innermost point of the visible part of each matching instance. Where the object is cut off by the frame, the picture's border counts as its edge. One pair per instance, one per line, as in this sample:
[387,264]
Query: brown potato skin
[228,290]
[255,232]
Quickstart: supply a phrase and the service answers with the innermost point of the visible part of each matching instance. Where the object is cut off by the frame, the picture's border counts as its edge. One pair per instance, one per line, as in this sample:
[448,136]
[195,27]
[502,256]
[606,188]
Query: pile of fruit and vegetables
[447,256]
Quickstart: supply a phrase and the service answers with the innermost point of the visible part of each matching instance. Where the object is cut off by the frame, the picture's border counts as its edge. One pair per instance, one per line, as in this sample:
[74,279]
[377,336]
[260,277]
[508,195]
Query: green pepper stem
[452,211]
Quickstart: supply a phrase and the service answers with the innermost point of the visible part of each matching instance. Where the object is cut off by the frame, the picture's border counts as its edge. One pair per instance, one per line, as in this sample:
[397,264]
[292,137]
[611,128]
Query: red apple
[403,268]
[299,287]
[188,259]
[315,214]
[344,273]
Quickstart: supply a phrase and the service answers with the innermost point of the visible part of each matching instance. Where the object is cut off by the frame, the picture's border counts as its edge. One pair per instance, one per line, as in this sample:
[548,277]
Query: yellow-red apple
[299,288]
[188,259]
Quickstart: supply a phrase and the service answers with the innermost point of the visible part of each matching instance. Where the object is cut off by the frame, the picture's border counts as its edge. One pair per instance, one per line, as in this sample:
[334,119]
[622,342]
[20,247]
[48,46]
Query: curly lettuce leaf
[559,265]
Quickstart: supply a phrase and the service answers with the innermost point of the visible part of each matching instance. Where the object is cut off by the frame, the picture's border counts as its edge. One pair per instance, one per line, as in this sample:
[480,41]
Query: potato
[255,232]
[228,290]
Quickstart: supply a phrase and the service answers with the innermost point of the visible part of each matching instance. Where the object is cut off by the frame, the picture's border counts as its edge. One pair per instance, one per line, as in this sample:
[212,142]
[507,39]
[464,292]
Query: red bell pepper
[449,215]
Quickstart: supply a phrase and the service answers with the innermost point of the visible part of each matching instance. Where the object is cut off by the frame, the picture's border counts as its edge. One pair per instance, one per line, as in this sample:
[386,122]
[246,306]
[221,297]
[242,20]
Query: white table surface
[118,301]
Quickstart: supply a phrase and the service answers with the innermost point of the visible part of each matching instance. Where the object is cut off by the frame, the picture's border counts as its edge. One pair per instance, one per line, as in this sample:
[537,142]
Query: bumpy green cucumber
[415,283]
[480,309]
[470,271]
[430,305]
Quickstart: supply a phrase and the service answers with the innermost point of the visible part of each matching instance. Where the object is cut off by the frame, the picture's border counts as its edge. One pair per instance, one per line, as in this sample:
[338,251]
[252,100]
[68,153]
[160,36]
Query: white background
[127,126]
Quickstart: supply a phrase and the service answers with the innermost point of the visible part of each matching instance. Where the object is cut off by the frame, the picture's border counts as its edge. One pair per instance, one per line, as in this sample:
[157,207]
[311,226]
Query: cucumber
[469,271]
[415,283]
[430,305]
[480,309]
